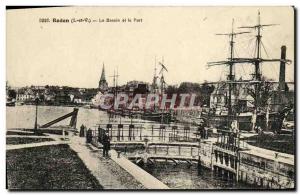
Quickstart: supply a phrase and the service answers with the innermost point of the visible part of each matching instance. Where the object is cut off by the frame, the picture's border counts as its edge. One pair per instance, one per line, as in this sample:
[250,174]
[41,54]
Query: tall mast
[257,59]
[258,39]
[114,79]
[117,76]
[115,83]
[162,79]
[154,82]
[231,76]
[155,67]
[230,63]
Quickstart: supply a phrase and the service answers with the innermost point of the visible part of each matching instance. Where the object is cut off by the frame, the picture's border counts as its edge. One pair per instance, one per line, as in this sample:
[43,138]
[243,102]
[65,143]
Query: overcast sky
[72,54]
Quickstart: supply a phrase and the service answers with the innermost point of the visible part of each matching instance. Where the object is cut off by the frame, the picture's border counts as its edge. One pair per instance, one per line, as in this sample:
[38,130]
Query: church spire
[102,78]
[103,85]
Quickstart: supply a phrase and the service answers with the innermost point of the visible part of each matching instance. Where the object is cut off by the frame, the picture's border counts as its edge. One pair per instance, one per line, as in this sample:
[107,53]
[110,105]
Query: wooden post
[118,134]
[140,133]
[133,136]
[199,165]
[36,113]
[111,132]
[167,149]
[120,128]
[130,132]
[152,133]
[159,134]
[122,133]
[63,132]
[162,130]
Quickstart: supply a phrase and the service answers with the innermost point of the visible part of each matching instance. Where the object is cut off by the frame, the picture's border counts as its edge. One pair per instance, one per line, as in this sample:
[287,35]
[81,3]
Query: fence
[128,132]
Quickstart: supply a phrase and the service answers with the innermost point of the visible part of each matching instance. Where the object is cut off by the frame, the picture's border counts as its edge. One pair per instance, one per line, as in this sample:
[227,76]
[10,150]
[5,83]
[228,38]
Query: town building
[25,94]
[103,85]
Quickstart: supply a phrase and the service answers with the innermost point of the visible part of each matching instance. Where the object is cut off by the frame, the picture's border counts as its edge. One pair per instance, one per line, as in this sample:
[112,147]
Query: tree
[12,93]
[206,90]
[261,93]
[171,89]
[202,91]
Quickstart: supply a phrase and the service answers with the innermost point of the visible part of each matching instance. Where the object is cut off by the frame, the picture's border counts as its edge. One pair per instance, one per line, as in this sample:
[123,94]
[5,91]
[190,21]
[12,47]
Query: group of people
[203,132]
[84,132]
[104,138]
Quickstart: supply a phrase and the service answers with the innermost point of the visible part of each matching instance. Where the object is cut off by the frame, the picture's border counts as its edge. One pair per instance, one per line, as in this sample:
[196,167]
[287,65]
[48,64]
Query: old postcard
[150,98]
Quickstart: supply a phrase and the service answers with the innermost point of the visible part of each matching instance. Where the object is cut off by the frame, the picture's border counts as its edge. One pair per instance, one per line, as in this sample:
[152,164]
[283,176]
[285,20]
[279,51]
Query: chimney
[282,69]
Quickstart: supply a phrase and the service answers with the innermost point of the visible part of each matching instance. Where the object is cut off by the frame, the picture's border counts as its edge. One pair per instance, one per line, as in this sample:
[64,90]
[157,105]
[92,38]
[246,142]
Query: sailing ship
[259,116]
[153,114]
[10,102]
[156,114]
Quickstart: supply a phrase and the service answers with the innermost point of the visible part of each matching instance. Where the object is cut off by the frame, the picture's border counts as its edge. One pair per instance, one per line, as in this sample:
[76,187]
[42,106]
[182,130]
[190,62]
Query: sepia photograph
[196,98]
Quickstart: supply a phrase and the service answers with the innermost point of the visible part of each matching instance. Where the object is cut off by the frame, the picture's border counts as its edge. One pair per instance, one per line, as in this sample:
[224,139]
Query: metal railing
[128,132]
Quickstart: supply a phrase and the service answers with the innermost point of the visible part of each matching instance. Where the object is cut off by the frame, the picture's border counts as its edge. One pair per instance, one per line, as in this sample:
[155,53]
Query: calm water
[24,116]
[183,176]
[180,176]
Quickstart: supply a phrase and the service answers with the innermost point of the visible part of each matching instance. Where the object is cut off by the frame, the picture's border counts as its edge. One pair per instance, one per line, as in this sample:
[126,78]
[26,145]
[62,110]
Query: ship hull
[157,117]
[10,104]
[245,122]
[163,117]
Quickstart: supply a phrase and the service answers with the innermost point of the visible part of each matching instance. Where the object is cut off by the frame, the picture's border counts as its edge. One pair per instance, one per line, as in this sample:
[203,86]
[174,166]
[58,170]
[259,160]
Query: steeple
[103,85]
[102,78]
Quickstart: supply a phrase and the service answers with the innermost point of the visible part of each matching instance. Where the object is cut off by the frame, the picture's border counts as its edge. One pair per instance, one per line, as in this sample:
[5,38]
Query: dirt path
[32,145]
[106,171]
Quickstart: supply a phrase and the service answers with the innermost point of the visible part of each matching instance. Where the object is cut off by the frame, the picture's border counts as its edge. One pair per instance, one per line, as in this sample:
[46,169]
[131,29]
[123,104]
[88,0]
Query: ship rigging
[257,82]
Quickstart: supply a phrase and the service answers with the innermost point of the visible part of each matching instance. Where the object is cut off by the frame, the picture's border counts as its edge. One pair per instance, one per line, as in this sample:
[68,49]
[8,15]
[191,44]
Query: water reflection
[180,176]
[184,176]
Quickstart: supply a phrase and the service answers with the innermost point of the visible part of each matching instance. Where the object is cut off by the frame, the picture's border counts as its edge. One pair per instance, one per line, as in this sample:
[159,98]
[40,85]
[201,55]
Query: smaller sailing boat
[156,114]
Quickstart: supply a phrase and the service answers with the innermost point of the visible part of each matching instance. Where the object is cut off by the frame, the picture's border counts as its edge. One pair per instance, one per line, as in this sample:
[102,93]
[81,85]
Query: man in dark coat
[106,144]
[81,133]
[89,136]
[201,129]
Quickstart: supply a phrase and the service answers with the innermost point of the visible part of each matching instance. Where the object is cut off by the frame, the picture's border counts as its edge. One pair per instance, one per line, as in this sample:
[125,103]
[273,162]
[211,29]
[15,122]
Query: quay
[90,156]
[225,153]
[134,145]
[91,170]
[139,174]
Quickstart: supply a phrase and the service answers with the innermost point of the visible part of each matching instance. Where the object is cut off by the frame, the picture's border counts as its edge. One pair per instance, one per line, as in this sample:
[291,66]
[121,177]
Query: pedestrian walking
[81,133]
[106,144]
[89,136]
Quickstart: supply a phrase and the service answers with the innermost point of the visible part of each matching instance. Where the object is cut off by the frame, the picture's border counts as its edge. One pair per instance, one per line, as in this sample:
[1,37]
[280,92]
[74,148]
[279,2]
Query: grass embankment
[25,140]
[41,132]
[279,143]
[47,167]
[23,133]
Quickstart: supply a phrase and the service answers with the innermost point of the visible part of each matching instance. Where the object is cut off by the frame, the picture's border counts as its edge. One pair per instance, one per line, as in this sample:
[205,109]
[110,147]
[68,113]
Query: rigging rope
[271,65]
